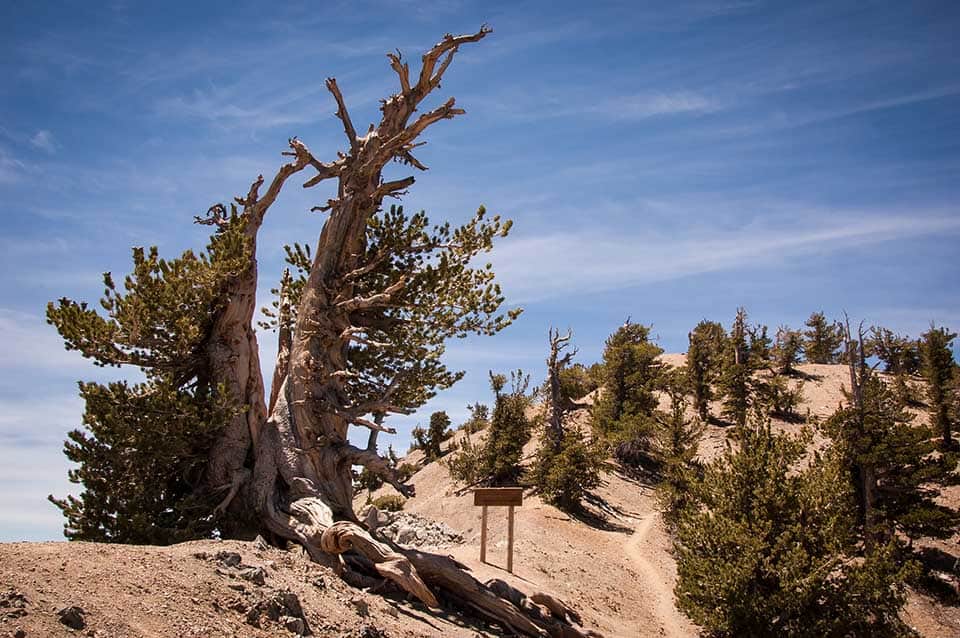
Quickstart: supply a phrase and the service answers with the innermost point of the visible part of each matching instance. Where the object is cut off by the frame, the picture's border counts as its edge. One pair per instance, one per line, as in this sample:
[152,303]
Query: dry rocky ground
[613,564]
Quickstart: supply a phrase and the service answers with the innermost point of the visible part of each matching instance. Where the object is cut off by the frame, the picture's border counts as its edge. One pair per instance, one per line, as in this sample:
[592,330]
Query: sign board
[495,497]
[498,496]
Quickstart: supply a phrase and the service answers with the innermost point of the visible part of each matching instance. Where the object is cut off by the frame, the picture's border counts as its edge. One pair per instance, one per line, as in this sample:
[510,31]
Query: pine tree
[822,340]
[437,433]
[736,378]
[764,548]
[509,429]
[384,292]
[567,466]
[937,368]
[704,362]
[900,356]
[787,349]
[677,440]
[889,460]
[631,373]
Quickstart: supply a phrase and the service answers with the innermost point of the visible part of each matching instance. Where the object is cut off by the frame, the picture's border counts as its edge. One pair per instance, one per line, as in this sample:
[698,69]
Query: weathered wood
[498,496]
[483,535]
[510,540]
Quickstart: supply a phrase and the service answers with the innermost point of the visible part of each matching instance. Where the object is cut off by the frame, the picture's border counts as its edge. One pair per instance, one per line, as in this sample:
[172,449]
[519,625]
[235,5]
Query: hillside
[613,565]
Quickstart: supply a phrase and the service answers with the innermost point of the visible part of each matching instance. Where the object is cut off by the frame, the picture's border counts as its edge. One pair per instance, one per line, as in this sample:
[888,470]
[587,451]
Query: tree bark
[301,485]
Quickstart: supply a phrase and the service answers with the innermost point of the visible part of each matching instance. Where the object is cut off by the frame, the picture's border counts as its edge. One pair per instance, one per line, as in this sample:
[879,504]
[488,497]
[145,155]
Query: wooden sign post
[497,496]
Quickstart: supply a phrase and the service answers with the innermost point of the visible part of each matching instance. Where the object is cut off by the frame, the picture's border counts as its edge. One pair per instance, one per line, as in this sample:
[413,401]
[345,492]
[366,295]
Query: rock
[13,604]
[362,606]
[255,575]
[293,624]
[377,518]
[19,633]
[72,617]
[260,543]
[229,559]
[237,586]
[406,534]
[277,605]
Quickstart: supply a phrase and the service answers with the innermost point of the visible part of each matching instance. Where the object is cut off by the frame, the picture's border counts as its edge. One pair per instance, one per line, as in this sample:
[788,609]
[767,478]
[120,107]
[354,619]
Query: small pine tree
[704,362]
[677,440]
[737,375]
[509,429]
[901,359]
[566,467]
[937,368]
[787,349]
[563,476]
[437,433]
[479,418]
[822,339]
[631,374]
[764,548]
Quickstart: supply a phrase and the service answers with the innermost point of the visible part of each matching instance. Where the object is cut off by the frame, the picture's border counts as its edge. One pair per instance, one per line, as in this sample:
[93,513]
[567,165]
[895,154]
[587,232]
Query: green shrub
[389,502]
[564,476]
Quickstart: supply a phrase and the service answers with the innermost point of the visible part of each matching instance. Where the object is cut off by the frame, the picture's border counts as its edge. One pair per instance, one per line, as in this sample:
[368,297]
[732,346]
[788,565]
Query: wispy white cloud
[43,140]
[561,264]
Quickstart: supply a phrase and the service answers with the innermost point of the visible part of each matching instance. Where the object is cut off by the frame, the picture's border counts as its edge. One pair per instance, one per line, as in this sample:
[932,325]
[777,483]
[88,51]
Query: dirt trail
[657,583]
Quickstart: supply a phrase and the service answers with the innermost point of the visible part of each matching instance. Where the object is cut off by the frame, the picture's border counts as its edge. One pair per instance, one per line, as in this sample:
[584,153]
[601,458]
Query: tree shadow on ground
[599,513]
[941,575]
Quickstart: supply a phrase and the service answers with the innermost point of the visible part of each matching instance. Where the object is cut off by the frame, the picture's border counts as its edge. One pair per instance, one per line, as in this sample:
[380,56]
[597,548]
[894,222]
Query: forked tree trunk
[302,482]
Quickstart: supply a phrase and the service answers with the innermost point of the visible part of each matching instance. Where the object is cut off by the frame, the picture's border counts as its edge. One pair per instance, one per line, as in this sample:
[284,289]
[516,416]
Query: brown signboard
[498,496]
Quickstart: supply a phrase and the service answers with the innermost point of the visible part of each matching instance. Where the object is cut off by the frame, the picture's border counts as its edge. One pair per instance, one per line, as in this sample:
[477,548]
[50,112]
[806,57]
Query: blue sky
[665,161]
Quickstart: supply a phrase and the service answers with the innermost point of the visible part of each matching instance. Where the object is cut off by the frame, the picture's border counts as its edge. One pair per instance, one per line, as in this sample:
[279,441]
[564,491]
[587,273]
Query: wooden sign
[497,496]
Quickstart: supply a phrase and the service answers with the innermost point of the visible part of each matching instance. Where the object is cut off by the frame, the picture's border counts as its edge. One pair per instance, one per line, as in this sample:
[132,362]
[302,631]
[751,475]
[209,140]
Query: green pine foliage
[736,378]
[444,295]
[564,475]
[704,363]
[497,461]
[632,373]
[937,368]
[509,429]
[677,440]
[822,339]
[438,432]
[787,350]
[880,440]
[901,359]
[764,548]
[576,381]
[479,418]
[142,448]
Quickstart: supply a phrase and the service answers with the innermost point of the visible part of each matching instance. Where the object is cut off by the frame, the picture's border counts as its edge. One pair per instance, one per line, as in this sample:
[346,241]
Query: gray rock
[255,575]
[406,534]
[294,625]
[72,617]
[229,559]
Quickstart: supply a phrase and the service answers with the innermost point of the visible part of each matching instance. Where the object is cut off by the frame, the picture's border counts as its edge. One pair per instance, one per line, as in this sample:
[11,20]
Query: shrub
[564,476]
[389,502]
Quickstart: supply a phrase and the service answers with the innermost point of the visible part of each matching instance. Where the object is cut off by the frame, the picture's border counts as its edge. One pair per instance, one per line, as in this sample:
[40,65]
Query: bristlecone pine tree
[736,378]
[631,374]
[822,340]
[937,368]
[509,430]
[900,356]
[787,350]
[765,549]
[888,459]
[567,466]
[677,440]
[197,447]
[704,362]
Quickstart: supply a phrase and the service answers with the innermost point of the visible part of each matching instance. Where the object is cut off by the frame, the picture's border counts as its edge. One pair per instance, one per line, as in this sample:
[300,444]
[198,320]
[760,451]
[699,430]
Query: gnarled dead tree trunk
[301,484]
[560,404]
